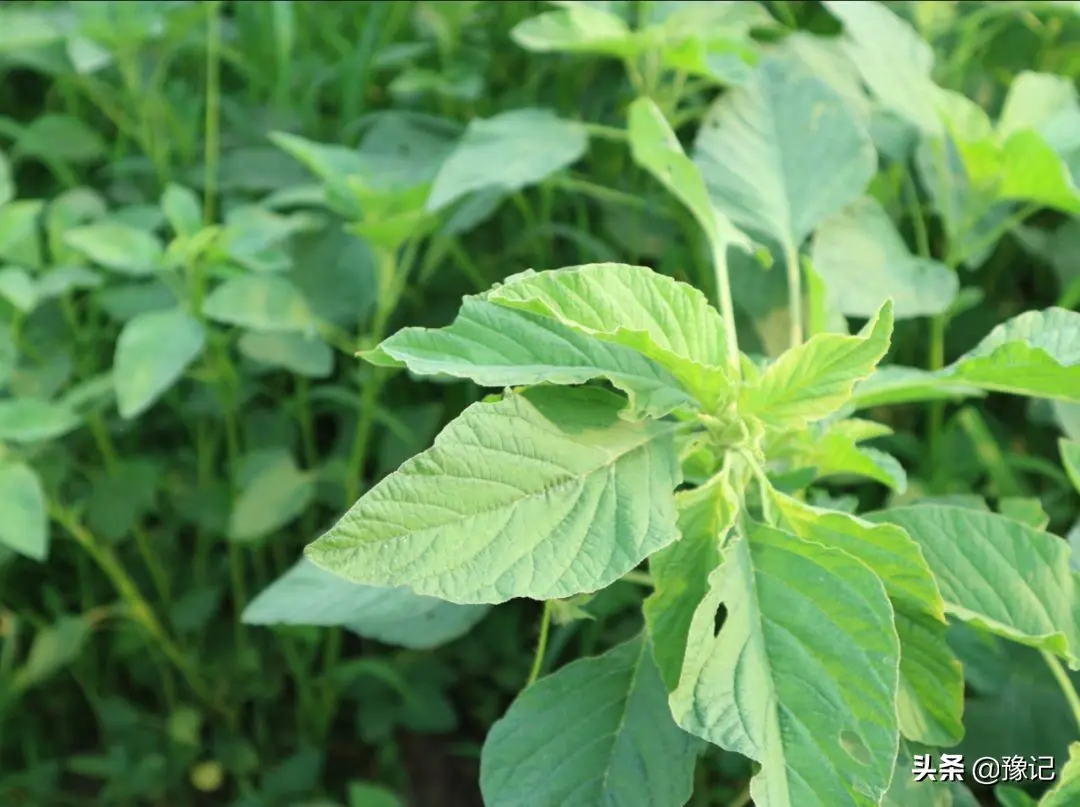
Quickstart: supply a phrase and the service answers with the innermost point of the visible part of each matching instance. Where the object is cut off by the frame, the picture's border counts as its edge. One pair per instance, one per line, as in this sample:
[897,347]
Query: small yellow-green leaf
[259,303]
[117,246]
[152,352]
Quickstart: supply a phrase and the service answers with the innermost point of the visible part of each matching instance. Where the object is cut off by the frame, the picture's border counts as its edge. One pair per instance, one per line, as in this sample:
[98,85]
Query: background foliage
[207,209]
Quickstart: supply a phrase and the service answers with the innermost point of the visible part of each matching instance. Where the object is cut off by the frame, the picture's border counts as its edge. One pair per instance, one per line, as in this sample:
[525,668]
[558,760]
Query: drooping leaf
[1035,353]
[894,384]
[54,647]
[1066,791]
[275,493]
[303,354]
[308,595]
[259,303]
[32,420]
[509,497]
[863,260]
[666,321]
[680,572]
[119,247]
[597,731]
[152,352]
[813,380]
[930,700]
[497,346]
[893,60]
[24,526]
[509,151]
[996,573]
[801,677]
[782,153]
[579,29]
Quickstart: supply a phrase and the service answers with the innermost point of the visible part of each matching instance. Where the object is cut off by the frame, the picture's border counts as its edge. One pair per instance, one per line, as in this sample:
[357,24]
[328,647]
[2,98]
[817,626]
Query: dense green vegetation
[749,332]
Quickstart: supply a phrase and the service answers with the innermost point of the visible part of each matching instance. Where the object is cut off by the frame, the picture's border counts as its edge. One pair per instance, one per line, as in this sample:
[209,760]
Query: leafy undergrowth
[539,404]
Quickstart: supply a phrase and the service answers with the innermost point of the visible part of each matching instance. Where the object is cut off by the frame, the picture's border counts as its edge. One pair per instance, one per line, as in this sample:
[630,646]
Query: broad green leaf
[1066,791]
[1036,353]
[308,595]
[275,493]
[930,700]
[509,151]
[325,160]
[182,208]
[666,321]
[54,648]
[152,353]
[863,260]
[802,676]
[19,288]
[119,247]
[1022,167]
[24,526]
[303,354]
[597,731]
[1045,103]
[497,346]
[1070,458]
[894,384]
[60,137]
[885,548]
[996,573]
[894,61]
[782,153]
[835,451]
[544,494]
[20,242]
[24,28]
[579,29]
[680,572]
[813,380]
[32,420]
[656,148]
[259,303]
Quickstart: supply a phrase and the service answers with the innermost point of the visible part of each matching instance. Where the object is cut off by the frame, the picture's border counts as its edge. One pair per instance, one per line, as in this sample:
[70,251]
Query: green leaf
[259,303]
[362,794]
[1070,458]
[32,420]
[25,523]
[119,247]
[20,242]
[894,384]
[507,152]
[1036,353]
[152,353]
[544,494]
[863,260]
[577,29]
[886,549]
[24,28]
[9,356]
[802,676]
[1066,791]
[680,572]
[930,700]
[655,147]
[597,731]
[497,346]
[303,354]
[996,573]
[19,288]
[308,595]
[182,208]
[60,137]
[666,321]
[53,649]
[275,493]
[1025,509]
[782,153]
[815,379]
[893,60]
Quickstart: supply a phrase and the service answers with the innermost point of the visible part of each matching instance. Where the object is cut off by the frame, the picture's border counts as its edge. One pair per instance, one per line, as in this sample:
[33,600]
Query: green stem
[213,108]
[638,578]
[727,304]
[1063,681]
[935,363]
[541,644]
[795,302]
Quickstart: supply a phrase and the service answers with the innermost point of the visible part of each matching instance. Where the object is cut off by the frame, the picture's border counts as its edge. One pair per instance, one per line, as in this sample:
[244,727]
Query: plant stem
[541,644]
[213,109]
[727,305]
[795,302]
[1063,681]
